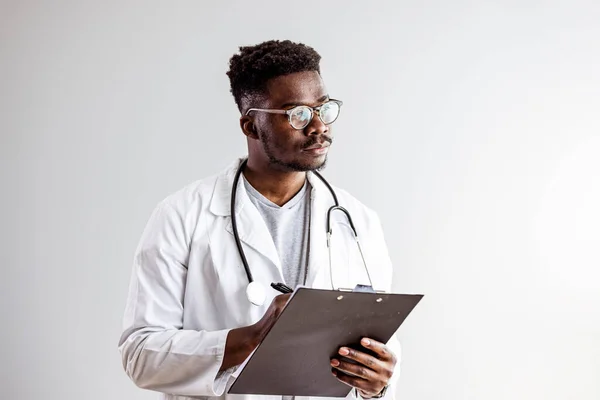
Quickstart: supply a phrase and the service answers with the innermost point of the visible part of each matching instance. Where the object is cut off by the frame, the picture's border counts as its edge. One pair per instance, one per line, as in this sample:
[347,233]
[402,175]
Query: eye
[302,113]
[329,112]
[301,116]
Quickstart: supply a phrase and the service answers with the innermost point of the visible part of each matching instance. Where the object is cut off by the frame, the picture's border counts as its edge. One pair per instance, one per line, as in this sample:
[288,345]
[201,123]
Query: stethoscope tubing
[335,207]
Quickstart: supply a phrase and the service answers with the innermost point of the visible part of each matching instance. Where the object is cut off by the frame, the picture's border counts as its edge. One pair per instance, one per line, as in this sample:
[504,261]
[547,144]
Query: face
[278,143]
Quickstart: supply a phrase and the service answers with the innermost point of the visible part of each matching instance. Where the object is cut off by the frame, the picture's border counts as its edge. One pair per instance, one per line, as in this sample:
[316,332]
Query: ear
[247,125]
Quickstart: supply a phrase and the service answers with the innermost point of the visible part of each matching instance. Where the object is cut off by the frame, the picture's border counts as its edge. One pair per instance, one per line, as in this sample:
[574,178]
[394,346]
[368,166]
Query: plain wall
[471,127]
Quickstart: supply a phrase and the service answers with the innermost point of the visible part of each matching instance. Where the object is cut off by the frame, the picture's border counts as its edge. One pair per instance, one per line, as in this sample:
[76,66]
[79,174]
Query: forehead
[297,88]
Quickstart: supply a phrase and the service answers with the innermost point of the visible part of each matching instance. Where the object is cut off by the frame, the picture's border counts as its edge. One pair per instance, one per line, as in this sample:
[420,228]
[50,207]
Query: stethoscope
[255,291]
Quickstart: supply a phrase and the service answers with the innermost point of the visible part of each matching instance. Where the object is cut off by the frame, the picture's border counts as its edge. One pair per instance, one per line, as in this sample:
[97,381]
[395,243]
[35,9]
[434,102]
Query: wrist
[376,396]
[252,337]
[240,343]
[256,334]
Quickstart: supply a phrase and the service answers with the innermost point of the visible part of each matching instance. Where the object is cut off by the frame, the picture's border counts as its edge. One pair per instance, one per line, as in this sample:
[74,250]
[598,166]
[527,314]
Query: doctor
[189,322]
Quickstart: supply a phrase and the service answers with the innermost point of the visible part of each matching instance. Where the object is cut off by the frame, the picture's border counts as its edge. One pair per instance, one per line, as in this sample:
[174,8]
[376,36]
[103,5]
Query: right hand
[272,314]
[241,342]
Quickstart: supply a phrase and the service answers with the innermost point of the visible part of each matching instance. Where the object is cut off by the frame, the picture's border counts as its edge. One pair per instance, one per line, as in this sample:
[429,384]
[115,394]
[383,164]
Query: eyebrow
[296,103]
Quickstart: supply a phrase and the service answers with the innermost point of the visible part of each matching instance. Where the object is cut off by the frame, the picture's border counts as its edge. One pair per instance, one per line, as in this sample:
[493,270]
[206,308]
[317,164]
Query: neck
[277,186]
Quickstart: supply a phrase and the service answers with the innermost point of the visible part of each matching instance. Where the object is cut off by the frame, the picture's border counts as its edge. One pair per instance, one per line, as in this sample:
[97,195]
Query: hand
[370,374]
[241,342]
[268,320]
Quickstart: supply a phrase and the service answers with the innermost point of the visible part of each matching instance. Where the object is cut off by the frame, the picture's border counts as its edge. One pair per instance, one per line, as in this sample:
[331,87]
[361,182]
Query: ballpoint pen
[282,288]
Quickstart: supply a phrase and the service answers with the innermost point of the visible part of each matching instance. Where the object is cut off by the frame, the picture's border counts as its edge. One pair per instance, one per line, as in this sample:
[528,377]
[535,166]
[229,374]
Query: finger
[283,298]
[365,359]
[355,382]
[357,370]
[378,348]
[281,301]
[276,308]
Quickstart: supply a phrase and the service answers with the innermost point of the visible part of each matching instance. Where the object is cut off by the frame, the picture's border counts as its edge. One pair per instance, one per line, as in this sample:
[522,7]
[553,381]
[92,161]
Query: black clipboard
[293,358]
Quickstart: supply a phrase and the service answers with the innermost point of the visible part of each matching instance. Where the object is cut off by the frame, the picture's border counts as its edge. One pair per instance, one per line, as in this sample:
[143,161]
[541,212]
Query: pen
[282,288]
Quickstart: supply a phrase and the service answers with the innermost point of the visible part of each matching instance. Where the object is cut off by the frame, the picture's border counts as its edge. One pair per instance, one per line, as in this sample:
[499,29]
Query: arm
[157,353]
[241,342]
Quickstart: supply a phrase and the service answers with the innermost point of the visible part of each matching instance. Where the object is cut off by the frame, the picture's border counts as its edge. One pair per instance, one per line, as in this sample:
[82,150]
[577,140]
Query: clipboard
[294,357]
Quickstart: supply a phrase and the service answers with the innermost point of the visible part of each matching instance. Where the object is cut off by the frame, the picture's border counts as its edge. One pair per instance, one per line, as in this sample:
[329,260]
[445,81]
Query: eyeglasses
[300,116]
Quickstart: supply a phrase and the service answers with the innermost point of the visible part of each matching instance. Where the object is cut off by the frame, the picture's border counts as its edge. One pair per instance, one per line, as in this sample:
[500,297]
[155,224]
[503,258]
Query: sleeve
[384,260]
[157,353]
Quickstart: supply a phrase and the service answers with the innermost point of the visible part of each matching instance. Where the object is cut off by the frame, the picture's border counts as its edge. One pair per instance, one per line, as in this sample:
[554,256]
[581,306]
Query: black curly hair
[251,69]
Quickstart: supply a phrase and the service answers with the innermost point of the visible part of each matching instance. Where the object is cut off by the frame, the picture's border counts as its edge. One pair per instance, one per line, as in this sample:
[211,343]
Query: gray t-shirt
[289,227]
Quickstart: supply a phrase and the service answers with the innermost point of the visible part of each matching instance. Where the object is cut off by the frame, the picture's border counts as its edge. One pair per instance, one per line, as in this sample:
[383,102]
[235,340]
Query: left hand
[371,374]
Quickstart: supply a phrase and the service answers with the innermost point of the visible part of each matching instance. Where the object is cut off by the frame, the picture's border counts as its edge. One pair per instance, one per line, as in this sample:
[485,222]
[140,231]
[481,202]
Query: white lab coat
[188,285]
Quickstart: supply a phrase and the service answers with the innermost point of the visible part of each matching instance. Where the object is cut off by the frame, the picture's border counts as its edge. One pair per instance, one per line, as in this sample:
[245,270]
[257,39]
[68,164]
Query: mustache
[315,140]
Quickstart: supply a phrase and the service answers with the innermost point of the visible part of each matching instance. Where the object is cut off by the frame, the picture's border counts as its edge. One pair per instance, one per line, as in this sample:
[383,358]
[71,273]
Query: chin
[314,164]
[321,165]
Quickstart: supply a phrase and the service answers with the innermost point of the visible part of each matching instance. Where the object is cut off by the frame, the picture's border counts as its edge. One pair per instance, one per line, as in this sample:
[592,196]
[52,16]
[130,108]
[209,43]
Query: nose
[316,126]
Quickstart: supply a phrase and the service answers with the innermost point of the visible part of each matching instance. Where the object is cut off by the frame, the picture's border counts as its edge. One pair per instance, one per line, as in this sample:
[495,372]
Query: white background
[472,127]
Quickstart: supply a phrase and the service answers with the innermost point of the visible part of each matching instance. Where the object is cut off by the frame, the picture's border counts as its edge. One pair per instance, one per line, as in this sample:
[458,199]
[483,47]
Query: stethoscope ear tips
[256,293]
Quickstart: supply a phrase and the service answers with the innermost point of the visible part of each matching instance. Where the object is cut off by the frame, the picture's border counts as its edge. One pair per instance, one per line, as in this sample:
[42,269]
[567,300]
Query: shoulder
[193,194]
[345,199]
[195,197]
[350,202]
[363,215]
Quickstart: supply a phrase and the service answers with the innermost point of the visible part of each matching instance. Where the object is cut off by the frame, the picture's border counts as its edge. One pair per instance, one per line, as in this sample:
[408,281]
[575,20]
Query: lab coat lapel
[252,229]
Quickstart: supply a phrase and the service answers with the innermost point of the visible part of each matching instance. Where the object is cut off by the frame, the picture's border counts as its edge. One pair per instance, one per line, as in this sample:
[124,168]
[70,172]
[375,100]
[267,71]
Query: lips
[317,146]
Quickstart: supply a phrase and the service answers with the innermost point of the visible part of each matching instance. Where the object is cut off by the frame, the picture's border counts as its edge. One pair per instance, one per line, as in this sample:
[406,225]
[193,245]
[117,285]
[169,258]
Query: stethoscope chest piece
[256,293]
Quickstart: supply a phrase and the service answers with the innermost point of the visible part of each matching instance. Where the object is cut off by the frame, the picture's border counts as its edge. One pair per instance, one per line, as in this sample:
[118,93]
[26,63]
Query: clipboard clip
[359,288]
[362,289]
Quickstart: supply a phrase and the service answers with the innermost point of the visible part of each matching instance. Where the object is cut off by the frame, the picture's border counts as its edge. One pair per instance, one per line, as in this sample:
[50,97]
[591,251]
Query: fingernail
[344,351]
[334,373]
[366,342]
[335,363]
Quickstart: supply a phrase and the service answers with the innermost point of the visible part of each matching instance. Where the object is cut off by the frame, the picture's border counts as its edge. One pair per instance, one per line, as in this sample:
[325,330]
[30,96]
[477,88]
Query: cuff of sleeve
[381,395]
[222,377]
[221,381]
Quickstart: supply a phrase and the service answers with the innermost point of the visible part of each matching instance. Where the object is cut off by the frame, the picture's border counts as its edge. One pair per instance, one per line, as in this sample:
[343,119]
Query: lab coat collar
[254,232]
[220,203]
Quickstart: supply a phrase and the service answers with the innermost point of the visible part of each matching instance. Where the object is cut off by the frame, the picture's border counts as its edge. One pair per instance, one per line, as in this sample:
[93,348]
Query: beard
[292,165]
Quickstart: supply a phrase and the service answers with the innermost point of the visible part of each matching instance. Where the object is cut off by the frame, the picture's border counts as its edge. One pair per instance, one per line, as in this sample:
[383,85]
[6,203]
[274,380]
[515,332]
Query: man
[189,323]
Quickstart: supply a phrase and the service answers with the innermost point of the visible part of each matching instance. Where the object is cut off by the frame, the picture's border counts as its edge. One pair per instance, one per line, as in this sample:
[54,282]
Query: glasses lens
[301,116]
[329,112]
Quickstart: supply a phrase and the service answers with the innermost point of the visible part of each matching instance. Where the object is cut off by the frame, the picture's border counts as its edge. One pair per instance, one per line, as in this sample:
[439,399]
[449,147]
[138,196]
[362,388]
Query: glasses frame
[289,112]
